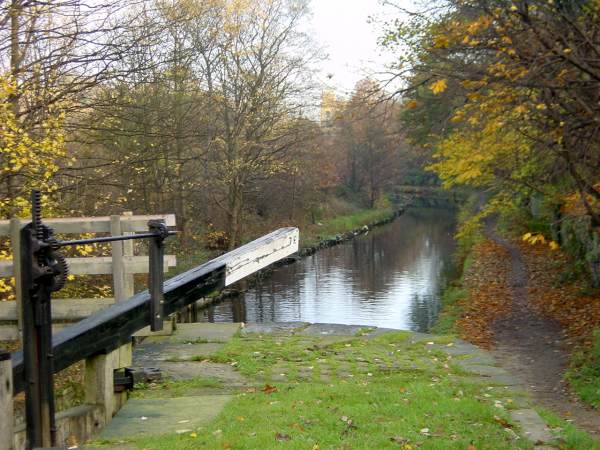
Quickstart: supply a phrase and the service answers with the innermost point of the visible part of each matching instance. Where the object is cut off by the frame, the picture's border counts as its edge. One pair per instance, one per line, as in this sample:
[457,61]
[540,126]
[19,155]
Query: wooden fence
[122,265]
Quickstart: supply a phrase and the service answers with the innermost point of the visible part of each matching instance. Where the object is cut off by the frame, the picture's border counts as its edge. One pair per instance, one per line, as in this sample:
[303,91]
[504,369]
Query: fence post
[118,266]
[6,402]
[99,382]
[15,237]
[99,369]
[128,281]
[122,290]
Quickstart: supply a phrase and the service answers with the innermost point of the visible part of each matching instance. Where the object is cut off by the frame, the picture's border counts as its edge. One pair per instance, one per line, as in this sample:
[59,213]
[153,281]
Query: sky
[341,28]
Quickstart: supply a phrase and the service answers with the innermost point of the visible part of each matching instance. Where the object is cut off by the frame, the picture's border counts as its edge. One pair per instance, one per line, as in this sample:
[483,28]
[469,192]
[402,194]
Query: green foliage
[451,310]
[338,225]
[584,373]
[470,227]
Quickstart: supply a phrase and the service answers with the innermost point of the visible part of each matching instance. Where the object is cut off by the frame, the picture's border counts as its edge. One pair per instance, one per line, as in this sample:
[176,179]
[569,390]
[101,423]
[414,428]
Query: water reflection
[390,278]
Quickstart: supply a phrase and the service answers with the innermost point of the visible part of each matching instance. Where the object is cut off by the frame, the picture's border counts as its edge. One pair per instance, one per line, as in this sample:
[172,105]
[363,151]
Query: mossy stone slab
[151,417]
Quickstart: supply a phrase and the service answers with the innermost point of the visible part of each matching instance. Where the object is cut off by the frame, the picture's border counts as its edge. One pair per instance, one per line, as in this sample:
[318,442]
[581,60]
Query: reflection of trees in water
[424,311]
[417,247]
[374,263]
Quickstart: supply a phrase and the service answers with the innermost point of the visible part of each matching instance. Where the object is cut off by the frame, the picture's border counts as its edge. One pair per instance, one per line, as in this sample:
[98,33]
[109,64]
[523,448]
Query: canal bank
[390,276]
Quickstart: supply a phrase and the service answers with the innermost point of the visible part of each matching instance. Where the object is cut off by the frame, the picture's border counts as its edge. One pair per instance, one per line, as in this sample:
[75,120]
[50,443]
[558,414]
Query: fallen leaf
[268,389]
[502,422]
[282,437]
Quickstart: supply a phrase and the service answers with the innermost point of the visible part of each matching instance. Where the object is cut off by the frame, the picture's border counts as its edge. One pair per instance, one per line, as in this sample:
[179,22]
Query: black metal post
[156,274]
[37,349]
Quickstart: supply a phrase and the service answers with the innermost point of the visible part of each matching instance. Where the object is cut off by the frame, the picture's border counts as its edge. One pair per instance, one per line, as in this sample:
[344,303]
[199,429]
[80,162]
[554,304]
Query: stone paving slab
[149,353]
[211,332]
[149,417]
[188,370]
[274,327]
[534,428]
[325,329]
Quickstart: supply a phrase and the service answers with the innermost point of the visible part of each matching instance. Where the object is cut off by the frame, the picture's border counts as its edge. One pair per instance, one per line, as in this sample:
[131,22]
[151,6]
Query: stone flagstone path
[181,357]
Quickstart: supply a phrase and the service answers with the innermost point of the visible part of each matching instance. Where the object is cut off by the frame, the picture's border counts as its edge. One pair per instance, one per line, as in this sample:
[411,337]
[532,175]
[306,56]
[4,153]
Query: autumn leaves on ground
[486,296]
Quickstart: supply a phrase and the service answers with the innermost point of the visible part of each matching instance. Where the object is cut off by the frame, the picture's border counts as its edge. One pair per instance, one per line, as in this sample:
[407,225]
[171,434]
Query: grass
[584,373]
[169,389]
[572,437]
[329,228]
[357,392]
[451,310]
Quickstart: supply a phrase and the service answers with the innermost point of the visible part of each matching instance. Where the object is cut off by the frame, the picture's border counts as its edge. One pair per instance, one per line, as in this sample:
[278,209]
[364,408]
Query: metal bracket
[125,379]
[156,274]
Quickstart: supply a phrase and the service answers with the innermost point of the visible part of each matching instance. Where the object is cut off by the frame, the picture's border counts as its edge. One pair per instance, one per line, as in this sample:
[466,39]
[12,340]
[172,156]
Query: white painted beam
[258,254]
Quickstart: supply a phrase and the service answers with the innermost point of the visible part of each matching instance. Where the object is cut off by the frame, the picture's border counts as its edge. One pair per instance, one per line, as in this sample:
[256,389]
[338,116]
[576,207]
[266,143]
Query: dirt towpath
[534,349]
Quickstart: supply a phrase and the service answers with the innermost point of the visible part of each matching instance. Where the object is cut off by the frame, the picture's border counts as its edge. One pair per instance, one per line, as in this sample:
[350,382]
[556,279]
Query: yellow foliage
[29,158]
[31,155]
[441,41]
[439,86]
[538,238]
[470,156]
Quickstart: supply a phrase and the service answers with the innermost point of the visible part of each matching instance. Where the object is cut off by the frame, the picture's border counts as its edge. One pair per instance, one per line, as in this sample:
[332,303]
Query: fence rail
[122,265]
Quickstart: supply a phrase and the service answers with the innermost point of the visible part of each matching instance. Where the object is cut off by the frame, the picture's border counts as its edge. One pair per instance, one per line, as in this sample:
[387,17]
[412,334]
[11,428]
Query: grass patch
[451,310]
[572,436]
[355,392]
[180,388]
[329,228]
[584,373]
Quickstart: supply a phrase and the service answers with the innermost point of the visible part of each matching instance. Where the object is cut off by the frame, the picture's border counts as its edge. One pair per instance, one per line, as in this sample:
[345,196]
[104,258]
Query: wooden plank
[11,332]
[69,310]
[7,415]
[100,224]
[15,236]
[112,327]
[260,255]
[128,281]
[98,265]
[118,262]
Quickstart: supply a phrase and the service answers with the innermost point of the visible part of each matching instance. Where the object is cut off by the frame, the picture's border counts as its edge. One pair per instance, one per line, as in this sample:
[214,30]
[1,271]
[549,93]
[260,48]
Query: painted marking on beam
[260,256]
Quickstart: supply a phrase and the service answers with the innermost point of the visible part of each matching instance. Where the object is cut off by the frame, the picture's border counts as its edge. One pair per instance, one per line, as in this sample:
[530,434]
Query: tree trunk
[235,209]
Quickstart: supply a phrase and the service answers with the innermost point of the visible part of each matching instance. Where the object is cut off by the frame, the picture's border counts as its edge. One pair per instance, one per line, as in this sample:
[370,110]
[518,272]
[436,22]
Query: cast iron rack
[44,271]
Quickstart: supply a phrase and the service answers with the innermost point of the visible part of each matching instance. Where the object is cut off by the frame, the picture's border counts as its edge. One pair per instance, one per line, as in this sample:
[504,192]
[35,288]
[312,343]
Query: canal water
[392,277]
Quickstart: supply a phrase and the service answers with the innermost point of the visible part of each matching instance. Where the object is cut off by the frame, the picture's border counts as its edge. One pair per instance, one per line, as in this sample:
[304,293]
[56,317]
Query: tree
[258,89]
[367,129]
[528,68]
[52,54]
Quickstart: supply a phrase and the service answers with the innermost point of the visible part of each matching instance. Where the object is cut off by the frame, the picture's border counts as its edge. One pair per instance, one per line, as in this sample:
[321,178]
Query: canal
[392,277]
